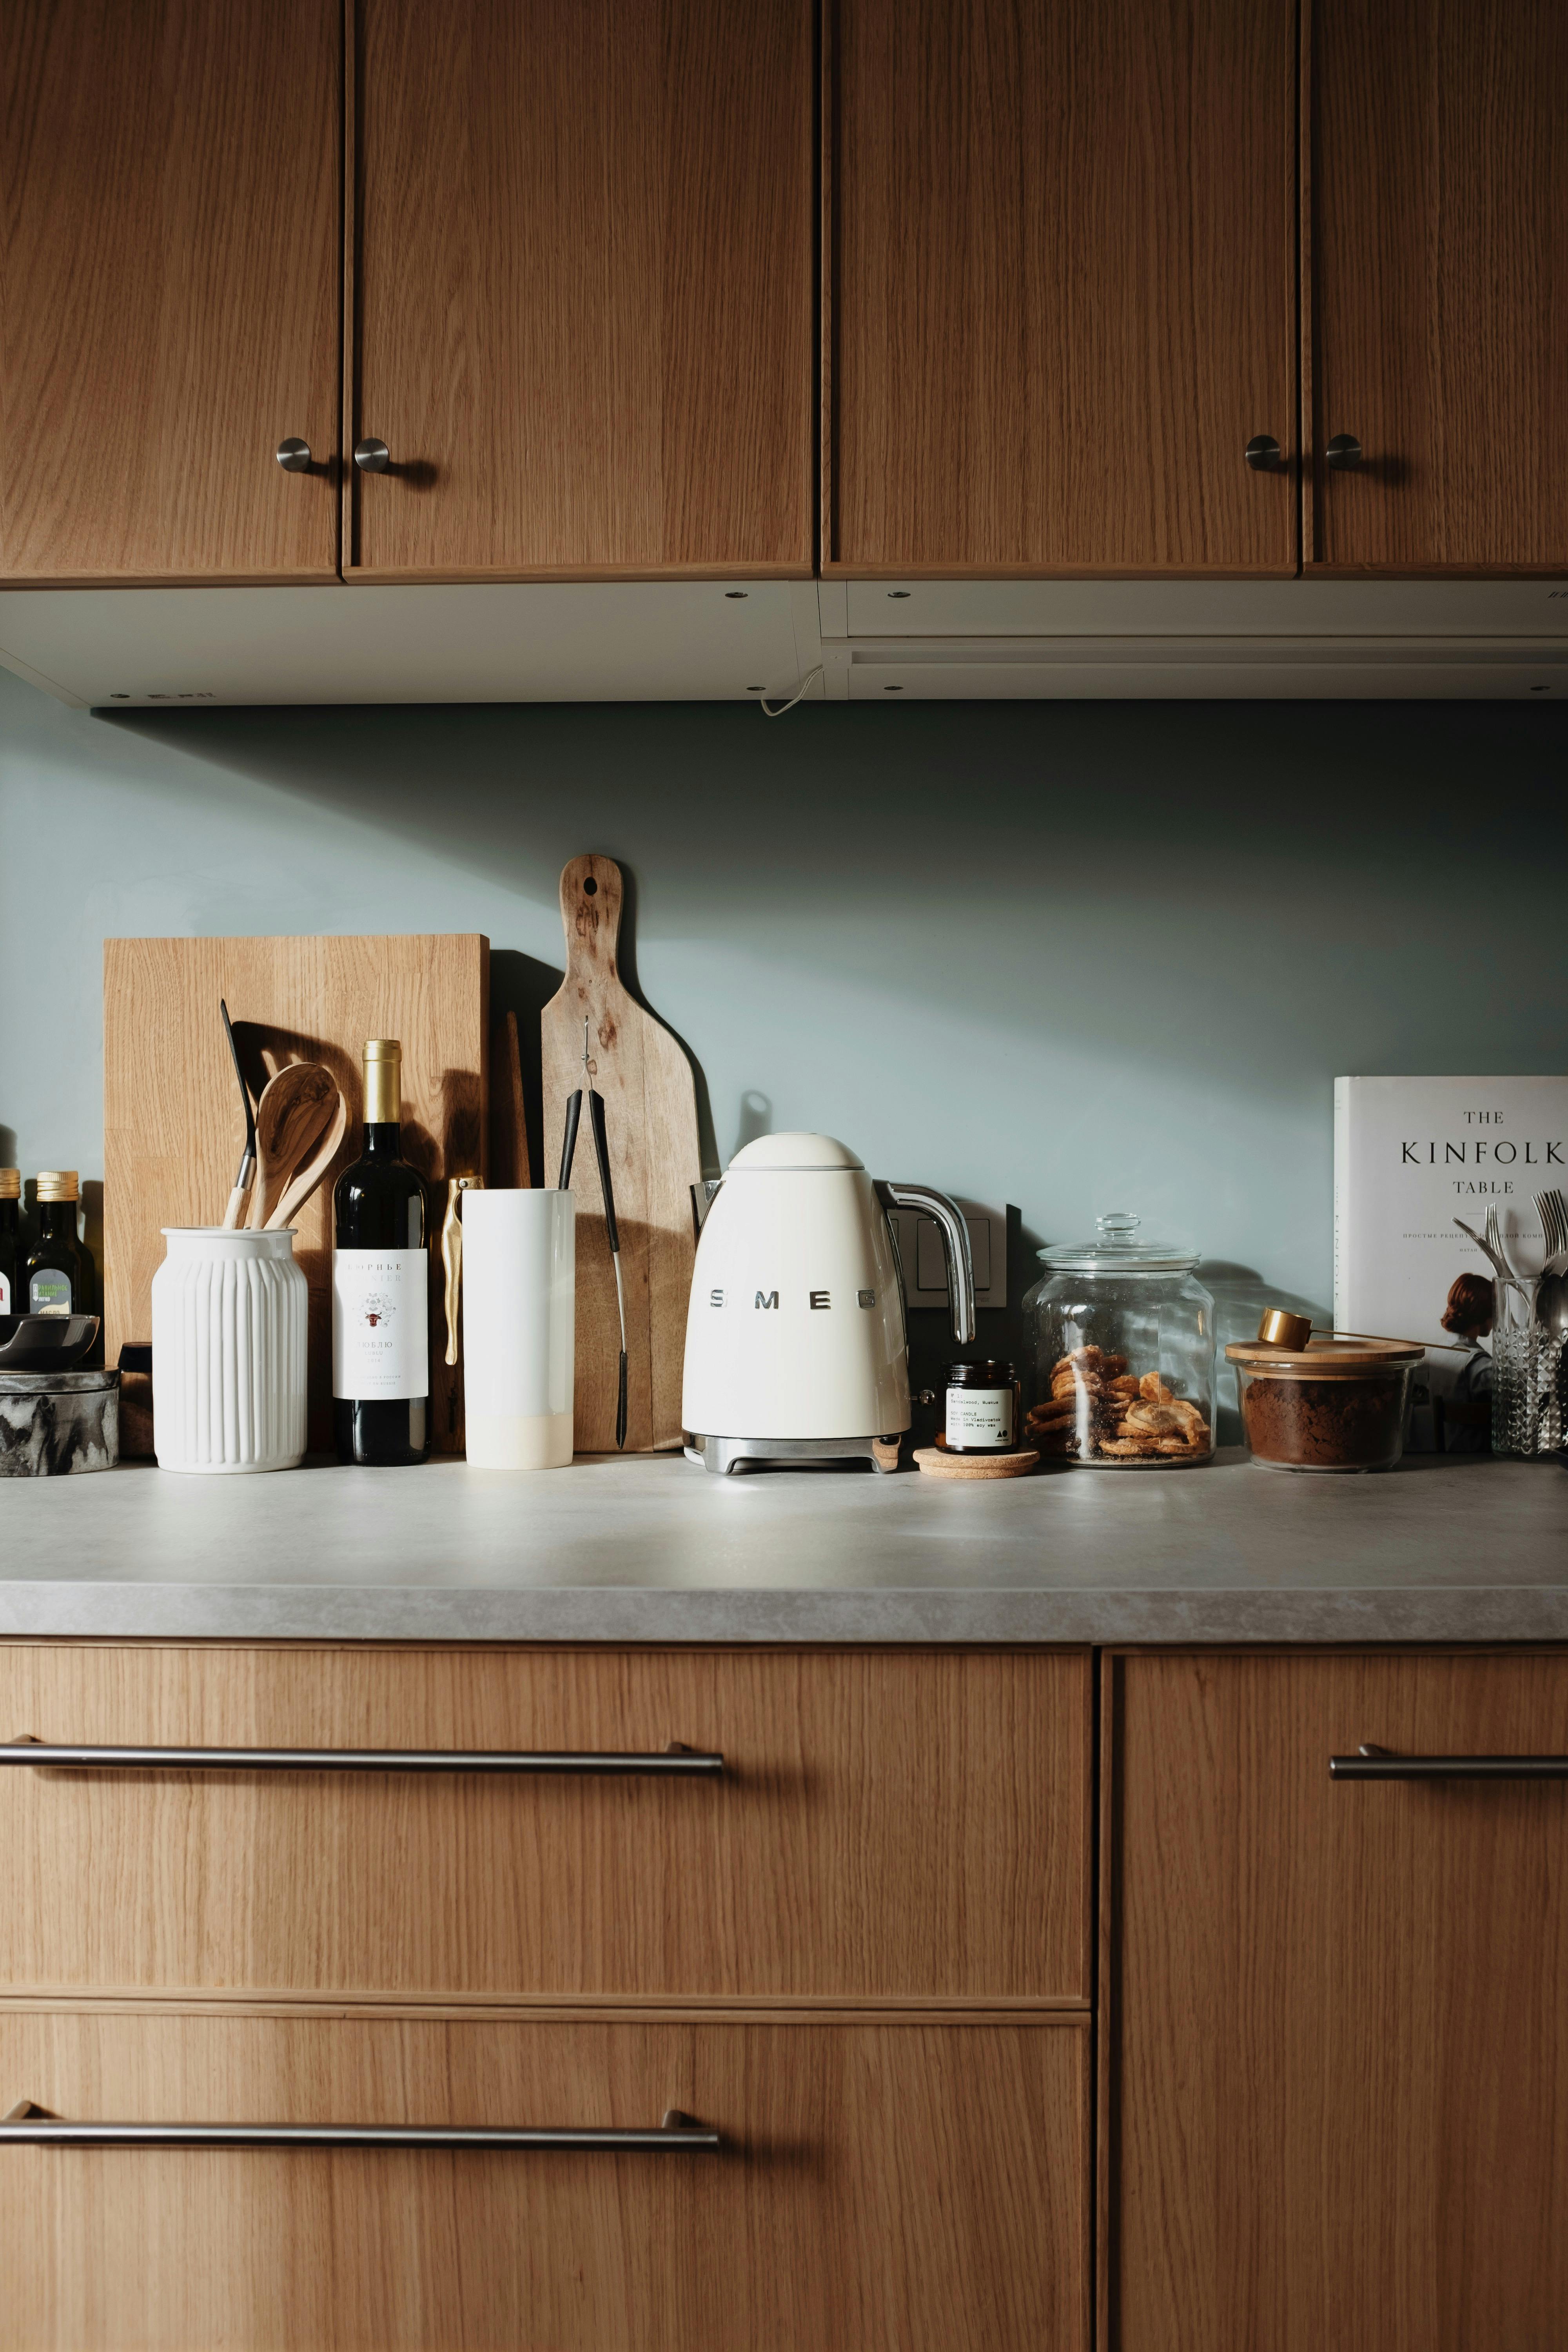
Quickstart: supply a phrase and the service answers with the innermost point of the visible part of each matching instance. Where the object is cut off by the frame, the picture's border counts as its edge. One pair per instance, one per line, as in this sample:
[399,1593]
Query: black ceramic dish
[45,1343]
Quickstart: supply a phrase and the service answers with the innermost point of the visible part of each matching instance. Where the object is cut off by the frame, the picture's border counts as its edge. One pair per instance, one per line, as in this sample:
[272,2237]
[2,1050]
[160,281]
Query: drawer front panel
[888,1825]
[919,2185]
[1338,2010]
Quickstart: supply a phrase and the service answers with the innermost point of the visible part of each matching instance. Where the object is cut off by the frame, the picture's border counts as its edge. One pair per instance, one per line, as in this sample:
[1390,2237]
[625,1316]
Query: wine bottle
[56,1276]
[380,1352]
[10,1238]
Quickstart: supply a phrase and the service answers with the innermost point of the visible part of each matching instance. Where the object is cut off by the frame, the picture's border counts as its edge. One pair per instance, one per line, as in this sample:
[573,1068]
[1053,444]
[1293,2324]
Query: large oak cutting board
[651,1114]
[173,1128]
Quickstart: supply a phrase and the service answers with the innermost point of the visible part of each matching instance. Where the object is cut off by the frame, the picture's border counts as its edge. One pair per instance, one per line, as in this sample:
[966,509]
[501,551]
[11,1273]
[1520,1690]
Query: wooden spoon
[305,1179]
[294,1107]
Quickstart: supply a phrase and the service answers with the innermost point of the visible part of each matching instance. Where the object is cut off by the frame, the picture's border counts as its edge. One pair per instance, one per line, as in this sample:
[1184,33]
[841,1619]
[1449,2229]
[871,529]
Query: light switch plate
[924,1263]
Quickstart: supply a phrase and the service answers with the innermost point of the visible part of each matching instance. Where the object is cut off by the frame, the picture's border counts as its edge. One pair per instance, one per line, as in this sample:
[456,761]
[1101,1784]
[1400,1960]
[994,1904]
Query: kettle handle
[955,1247]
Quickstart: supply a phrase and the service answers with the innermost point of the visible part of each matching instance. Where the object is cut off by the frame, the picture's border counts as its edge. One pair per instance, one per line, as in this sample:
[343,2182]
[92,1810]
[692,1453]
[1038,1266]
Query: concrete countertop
[656,1551]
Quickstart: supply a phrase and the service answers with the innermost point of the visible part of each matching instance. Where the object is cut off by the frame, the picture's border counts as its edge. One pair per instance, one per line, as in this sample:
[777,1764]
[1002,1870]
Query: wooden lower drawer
[911,2185]
[888,1825]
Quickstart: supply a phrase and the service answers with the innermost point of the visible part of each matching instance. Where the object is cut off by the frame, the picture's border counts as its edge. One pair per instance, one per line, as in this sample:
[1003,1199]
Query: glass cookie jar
[1124,1353]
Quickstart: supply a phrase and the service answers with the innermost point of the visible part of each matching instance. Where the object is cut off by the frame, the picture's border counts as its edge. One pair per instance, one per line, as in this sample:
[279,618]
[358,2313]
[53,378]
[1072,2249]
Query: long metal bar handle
[1372,1763]
[33,2127]
[676,1761]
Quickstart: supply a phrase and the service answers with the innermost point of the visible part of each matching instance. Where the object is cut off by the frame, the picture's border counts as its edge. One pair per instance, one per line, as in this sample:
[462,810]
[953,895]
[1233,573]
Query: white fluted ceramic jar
[229,1351]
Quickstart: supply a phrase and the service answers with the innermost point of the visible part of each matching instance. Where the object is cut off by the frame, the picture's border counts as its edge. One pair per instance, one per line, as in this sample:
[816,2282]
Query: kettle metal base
[726,1454]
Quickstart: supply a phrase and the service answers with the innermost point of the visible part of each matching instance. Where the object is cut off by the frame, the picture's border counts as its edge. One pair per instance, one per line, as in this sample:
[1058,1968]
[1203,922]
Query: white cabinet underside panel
[620,641]
[1129,669]
[1202,608]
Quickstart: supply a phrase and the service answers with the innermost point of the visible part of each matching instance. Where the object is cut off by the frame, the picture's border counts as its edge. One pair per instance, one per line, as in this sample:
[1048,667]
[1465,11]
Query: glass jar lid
[1118,1250]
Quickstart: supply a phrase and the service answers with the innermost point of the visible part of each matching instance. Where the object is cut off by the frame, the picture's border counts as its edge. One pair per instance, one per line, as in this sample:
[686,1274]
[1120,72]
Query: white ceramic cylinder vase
[519,1321]
[229,1351]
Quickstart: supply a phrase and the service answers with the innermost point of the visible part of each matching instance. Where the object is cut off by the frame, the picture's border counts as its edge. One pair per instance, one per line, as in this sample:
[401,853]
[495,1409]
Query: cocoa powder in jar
[1344,1424]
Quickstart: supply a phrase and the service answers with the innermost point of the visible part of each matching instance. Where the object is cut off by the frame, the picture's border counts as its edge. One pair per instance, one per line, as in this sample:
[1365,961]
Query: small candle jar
[982,1409]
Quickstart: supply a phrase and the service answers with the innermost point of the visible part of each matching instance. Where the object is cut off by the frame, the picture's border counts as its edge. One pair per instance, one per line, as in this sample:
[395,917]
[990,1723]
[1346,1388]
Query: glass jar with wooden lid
[1334,1402]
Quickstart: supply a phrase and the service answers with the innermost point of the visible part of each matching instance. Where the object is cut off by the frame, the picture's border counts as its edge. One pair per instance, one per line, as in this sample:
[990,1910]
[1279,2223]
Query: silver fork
[1554,1211]
[1499,1257]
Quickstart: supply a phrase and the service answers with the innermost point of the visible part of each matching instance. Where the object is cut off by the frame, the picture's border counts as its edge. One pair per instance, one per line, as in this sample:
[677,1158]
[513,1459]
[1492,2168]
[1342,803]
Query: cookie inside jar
[1124,1353]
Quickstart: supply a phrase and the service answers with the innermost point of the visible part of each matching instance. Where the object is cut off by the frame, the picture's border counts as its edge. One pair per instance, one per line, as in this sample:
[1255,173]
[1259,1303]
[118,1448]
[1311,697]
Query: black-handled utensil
[611,1230]
[602,1154]
[247,1175]
[569,1141]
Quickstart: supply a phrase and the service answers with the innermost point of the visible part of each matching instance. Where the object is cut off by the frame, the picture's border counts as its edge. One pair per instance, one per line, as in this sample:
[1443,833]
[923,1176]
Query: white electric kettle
[796,1347]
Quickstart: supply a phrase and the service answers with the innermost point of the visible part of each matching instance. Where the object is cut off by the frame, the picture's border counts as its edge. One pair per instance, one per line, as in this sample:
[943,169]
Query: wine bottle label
[4,1295]
[49,1292]
[380,1323]
[979,1416]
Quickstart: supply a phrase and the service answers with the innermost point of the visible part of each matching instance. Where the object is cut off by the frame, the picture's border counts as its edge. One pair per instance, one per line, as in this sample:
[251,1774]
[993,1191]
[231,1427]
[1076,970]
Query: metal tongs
[602,1154]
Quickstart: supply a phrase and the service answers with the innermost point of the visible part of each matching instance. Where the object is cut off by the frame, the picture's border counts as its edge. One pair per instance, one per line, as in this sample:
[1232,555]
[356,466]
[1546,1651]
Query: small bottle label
[49,1292]
[980,1417]
[381,1350]
[4,1294]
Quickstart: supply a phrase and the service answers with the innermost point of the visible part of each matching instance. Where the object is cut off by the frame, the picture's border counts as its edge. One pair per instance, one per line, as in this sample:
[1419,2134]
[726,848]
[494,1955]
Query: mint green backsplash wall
[1069,955]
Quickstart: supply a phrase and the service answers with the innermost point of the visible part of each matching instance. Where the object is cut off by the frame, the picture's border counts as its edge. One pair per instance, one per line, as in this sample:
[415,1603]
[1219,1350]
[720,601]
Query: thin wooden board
[650,1115]
[173,1125]
[938,1463]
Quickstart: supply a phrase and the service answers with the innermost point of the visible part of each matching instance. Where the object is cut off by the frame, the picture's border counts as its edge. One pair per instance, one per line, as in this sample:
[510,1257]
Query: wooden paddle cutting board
[650,1117]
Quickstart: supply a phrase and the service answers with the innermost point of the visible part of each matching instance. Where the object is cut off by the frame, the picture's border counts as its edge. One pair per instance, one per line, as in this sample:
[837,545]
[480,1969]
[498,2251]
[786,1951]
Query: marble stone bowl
[52,1423]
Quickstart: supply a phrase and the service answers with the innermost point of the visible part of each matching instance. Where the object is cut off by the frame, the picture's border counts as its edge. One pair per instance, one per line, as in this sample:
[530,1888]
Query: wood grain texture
[880,2185]
[890,1825]
[173,1127]
[509,1161]
[584,280]
[1337,2029]
[1439,237]
[1059,285]
[656,1156]
[169,312]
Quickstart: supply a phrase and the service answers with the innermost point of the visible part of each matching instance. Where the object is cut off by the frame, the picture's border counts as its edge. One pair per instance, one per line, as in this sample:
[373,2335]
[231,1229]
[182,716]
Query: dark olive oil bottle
[56,1276]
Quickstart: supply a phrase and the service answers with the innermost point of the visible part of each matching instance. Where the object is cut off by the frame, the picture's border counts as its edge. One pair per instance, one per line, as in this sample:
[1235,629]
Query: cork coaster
[938,1463]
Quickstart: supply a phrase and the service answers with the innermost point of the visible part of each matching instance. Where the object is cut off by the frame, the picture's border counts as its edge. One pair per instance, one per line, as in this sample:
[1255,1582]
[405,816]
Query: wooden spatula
[296,1112]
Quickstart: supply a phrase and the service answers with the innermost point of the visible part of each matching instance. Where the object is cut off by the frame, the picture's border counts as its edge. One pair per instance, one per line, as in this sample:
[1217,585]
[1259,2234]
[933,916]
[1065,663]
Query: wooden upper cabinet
[1059,286]
[170,304]
[1438,223]
[582,266]
[1335,2033]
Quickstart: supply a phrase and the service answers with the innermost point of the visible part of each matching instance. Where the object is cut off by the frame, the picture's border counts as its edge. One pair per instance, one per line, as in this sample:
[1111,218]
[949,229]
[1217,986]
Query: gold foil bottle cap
[1279,1329]
[57,1184]
[10,1183]
[383,1082]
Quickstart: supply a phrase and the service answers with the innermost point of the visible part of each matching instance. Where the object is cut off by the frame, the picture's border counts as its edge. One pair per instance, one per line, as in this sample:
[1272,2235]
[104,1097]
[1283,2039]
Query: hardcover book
[1411,1155]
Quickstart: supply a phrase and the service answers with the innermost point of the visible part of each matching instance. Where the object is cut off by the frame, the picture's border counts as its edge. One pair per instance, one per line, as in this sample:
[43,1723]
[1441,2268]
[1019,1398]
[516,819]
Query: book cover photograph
[1415,1159]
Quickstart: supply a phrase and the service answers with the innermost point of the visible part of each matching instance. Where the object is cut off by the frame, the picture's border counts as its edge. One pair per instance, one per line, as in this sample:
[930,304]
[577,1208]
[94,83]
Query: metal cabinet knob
[1262,454]
[371,457]
[1342,452]
[294,454]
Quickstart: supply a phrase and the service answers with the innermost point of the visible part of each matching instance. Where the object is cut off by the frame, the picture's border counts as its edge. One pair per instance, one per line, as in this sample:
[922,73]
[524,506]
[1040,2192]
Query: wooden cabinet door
[1337,2012]
[170,307]
[1060,285]
[915,2185]
[1438,230]
[582,265]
